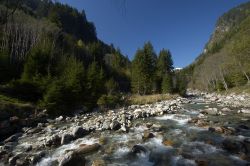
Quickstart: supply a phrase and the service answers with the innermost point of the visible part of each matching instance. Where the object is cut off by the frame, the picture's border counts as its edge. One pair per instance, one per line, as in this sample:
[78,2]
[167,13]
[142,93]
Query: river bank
[208,123]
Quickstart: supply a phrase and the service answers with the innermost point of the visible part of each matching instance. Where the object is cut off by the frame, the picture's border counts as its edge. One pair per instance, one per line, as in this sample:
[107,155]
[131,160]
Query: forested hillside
[50,56]
[225,61]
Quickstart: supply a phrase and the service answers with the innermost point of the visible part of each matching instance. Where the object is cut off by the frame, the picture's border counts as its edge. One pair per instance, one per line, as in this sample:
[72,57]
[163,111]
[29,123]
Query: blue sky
[183,26]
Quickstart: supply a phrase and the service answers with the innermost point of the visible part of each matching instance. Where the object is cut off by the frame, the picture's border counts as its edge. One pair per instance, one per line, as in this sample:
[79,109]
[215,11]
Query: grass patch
[14,107]
[6,100]
[149,99]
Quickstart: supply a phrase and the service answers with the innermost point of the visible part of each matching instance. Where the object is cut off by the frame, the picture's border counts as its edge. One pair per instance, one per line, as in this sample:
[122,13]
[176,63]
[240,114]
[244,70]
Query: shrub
[108,101]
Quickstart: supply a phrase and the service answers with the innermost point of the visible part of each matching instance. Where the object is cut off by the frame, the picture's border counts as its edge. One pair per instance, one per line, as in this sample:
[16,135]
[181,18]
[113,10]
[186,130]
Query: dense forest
[50,56]
[225,61]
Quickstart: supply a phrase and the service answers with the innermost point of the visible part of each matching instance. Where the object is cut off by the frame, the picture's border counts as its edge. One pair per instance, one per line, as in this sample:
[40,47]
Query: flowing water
[176,141]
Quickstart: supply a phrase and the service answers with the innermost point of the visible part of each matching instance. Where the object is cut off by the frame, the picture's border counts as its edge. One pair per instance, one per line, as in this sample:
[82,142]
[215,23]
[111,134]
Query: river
[184,137]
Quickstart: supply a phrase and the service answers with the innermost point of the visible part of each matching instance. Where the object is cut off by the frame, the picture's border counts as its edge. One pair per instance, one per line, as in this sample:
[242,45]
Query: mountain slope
[225,61]
[50,56]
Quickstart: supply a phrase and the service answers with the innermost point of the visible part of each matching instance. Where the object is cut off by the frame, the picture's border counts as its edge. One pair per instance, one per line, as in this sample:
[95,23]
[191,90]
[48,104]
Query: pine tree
[137,72]
[167,84]
[66,92]
[164,62]
[95,83]
[164,72]
[143,70]
[37,63]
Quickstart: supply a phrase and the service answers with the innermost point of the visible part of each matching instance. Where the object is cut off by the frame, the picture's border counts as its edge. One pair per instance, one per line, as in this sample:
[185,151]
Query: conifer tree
[143,70]
[164,72]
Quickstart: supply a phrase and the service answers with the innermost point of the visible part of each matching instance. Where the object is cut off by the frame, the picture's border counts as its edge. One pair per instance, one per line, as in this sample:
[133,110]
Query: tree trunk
[224,81]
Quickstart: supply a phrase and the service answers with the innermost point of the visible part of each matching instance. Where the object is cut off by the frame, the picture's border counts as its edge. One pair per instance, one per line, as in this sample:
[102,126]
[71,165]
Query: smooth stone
[88,149]
[99,162]
[60,118]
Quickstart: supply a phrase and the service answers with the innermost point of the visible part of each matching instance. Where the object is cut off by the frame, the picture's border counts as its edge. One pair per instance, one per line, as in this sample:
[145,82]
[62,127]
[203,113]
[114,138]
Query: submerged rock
[156,128]
[99,162]
[137,149]
[168,143]
[103,140]
[147,135]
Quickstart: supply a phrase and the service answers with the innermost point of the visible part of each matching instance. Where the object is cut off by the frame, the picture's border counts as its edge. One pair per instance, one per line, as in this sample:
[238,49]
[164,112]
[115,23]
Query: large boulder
[79,132]
[55,140]
[37,157]
[13,138]
[115,125]
[66,138]
[211,111]
[72,159]
[87,149]
[233,146]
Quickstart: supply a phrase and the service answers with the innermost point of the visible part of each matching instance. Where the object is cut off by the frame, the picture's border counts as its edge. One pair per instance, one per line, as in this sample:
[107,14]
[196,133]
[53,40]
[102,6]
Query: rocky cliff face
[227,23]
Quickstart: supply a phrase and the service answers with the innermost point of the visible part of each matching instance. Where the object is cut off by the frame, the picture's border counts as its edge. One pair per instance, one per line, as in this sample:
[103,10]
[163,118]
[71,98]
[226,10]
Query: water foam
[181,119]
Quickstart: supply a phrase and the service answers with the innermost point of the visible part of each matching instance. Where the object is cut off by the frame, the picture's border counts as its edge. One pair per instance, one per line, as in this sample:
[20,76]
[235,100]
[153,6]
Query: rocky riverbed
[206,129]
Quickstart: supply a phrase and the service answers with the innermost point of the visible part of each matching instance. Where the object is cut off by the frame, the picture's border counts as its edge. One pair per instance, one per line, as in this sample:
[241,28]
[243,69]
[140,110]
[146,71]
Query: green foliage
[65,93]
[164,62]
[95,83]
[24,90]
[7,69]
[108,101]
[72,21]
[226,62]
[167,84]
[143,70]
[37,63]
[219,86]
[164,71]
[59,63]
[181,83]
[111,86]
